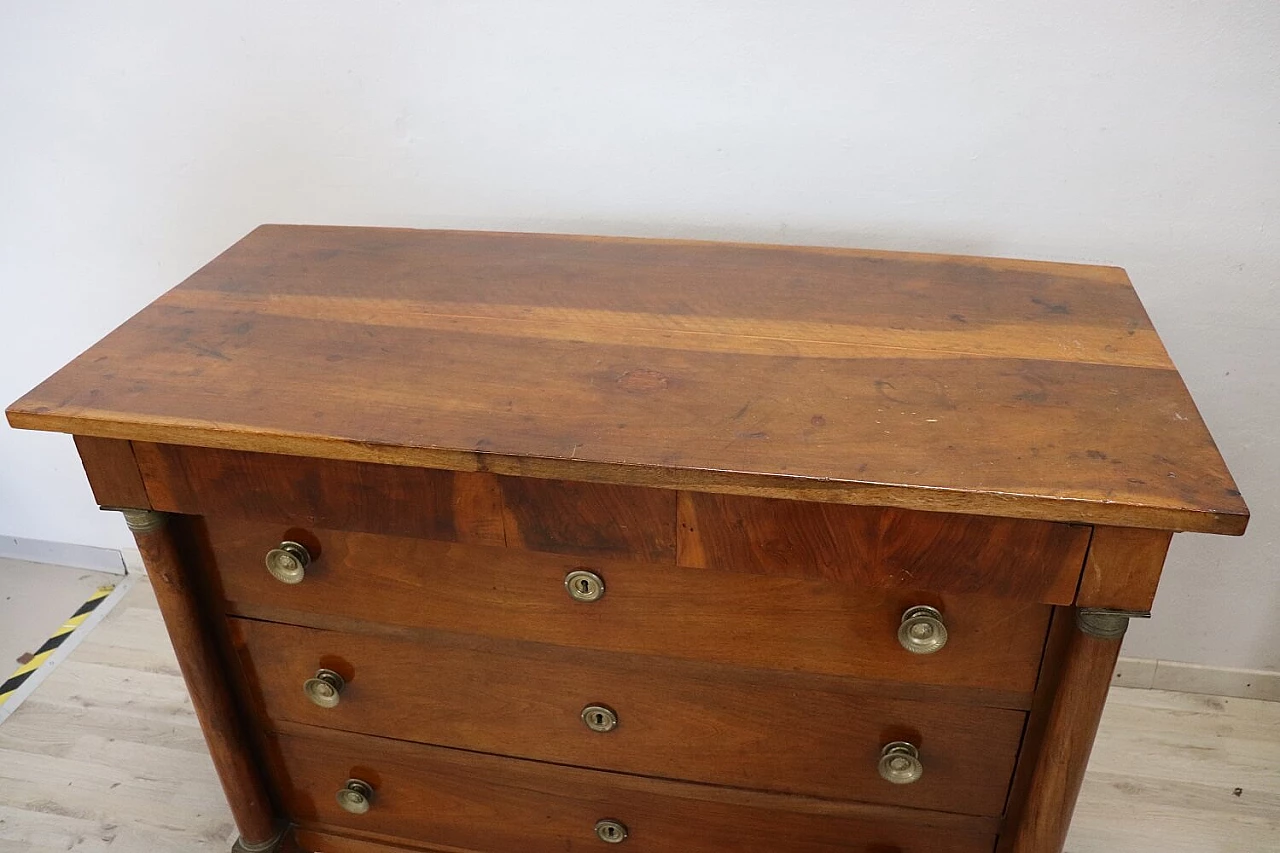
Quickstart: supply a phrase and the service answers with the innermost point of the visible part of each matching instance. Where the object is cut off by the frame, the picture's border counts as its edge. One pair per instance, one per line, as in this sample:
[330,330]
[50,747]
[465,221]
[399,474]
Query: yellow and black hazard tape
[19,677]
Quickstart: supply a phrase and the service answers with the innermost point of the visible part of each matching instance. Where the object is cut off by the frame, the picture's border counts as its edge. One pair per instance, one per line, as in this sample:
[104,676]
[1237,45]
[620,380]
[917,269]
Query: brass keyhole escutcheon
[600,718]
[611,831]
[584,585]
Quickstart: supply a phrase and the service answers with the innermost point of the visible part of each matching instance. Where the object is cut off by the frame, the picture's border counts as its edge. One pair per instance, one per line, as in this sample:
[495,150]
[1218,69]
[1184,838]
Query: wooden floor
[106,756]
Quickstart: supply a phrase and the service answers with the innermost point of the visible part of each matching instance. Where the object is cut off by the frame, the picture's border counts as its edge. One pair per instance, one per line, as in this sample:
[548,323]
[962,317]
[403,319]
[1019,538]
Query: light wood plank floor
[106,756]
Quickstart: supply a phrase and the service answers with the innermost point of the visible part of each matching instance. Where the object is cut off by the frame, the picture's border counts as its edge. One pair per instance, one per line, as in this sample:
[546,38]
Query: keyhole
[584,585]
[599,718]
[611,832]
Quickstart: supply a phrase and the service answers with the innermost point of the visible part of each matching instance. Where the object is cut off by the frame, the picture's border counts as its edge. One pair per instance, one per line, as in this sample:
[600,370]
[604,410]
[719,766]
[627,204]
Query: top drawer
[869,547]
[773,623]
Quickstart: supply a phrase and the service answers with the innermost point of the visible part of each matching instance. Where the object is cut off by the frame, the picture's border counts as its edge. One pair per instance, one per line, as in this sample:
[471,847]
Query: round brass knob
[324,688]
[288,563]
[355,796]
[900,763]
[600,718]
[922,630]
[611,831]
[584,585]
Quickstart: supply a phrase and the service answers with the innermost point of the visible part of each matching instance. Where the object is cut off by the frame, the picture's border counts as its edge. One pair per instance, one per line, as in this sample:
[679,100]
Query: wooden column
[203,672]
[1119,582]
[1072,724]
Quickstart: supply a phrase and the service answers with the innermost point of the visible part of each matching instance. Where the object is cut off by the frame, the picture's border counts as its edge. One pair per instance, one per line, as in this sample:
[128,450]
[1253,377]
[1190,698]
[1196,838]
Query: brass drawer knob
[600,718]
[900,763]
[922,630]
[611,831]
[584,585]
[324,688]
[355,796]
[288,562]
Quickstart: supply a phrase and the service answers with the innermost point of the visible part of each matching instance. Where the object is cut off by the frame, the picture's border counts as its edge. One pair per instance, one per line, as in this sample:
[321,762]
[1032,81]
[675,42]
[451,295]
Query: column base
[275,845]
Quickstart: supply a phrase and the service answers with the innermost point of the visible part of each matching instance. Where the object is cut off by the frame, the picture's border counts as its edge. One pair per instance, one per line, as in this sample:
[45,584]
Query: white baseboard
[1196,678]
[63,554]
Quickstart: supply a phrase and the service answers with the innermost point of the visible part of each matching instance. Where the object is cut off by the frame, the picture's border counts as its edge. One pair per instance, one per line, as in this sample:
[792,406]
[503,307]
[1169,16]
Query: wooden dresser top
[1000,387]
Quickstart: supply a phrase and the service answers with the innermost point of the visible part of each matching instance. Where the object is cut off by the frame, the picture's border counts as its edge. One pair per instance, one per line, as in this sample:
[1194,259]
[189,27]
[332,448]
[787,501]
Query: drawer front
[884,547]
[862,545]
[776,623]
[462,800]
[724,730]
[310,841]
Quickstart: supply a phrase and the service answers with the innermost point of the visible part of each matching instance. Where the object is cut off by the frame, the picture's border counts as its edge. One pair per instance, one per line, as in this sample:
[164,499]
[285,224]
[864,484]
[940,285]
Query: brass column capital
[1105,624]
[142,520]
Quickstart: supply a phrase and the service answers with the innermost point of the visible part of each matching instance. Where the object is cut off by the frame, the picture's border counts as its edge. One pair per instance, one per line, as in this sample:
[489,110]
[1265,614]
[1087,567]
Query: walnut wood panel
[726,731]
[590,519]
[874,546]
[310,841]
[112,472]
[929,382]
[1123,568]
[503,805]
[687,667]
[203,669]
[866,545]
[446,505]
[750,620]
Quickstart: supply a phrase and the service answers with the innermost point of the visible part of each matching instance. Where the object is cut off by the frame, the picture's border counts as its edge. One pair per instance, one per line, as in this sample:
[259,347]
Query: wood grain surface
[590,519]
[1123,568]
[311,841]
[107,757]
[113,472]
[765,621]
[982,386]
[726,731]
[466,800]
[1070,725]
[444,505]
[862,546]
[883,547]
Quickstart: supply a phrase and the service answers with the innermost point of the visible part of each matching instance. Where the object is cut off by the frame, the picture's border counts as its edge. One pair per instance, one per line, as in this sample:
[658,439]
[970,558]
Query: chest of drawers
[504,542]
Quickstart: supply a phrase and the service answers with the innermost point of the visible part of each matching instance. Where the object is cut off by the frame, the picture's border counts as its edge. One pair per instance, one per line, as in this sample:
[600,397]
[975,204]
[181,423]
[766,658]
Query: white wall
[138,139]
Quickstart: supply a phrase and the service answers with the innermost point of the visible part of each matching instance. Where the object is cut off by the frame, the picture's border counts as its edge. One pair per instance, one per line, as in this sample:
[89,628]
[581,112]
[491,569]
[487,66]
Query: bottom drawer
[309,841]
[473,802]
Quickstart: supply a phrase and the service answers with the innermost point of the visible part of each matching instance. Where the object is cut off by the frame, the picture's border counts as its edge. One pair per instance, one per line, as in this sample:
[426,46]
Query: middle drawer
[634,715]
